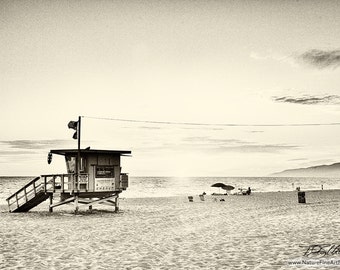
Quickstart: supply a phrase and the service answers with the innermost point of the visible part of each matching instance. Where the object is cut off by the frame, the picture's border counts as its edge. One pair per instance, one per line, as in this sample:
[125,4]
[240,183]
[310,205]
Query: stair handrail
[24,187]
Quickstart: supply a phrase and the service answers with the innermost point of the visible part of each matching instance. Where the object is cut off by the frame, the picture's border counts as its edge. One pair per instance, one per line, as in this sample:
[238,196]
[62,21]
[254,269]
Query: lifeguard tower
[93,177]
[100,181]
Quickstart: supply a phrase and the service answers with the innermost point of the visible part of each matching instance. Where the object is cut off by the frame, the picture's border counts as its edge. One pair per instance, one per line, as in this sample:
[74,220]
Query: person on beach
[248,191]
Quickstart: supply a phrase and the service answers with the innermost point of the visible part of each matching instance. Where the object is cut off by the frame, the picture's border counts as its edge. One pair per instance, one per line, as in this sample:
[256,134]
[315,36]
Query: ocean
[141,187]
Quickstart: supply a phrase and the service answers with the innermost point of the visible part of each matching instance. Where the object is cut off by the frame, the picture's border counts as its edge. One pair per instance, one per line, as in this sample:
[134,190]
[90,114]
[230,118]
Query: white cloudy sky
[248,63]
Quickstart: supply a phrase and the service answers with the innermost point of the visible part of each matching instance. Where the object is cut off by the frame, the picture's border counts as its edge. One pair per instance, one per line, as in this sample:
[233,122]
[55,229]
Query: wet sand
[260,231]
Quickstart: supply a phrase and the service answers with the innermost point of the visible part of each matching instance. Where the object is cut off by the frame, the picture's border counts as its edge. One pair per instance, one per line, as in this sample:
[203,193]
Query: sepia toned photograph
[169,134]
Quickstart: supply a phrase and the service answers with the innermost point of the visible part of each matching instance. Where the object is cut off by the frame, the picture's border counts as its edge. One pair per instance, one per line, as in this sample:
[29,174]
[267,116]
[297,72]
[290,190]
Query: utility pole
[78,157]
[76,135]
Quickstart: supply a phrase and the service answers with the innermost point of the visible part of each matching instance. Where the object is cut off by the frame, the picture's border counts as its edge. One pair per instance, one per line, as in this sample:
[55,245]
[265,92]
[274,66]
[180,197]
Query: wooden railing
[64,182]
[47,184]
[25,194]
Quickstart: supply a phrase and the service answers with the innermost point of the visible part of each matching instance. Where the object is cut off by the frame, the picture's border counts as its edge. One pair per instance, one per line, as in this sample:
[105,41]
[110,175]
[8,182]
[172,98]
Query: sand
[261,231]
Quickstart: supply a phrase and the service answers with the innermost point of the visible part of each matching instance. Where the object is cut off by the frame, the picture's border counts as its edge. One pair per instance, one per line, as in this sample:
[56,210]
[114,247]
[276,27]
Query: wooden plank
[69,200]
[9,205]
[109,203]
[62,183]
[16,198]
[34,188]
[25,194]
[76,210]
[116,204]
[50,209]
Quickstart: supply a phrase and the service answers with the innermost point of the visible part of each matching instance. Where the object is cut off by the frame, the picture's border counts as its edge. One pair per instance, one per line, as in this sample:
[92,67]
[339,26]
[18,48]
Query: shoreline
[4,202]
[252,192]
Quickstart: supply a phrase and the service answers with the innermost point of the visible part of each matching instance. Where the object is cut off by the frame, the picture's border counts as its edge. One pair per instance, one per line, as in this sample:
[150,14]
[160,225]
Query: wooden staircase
[27,197]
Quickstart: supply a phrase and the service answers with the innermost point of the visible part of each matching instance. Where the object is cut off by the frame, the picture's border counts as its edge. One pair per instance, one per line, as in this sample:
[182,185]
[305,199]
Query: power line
[209,124]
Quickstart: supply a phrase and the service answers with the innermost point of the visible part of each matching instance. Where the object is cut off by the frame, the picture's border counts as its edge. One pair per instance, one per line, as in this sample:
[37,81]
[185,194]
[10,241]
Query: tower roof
[90,151]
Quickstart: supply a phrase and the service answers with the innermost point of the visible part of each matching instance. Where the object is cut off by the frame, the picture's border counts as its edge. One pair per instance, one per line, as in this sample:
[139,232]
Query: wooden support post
[76,204]
[50,209]
[16,198]
[53,183]
[25,194]
[9,205]
[90,206]
[45,183]
[116,204]
[35,190]
[62,183]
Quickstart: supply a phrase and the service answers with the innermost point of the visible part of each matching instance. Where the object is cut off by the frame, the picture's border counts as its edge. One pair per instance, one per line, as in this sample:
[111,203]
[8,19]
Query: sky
[254,74]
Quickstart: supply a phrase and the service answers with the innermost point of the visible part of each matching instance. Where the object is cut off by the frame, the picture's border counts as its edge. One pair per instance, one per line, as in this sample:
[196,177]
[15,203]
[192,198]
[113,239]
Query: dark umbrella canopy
[227,187]
[221,185]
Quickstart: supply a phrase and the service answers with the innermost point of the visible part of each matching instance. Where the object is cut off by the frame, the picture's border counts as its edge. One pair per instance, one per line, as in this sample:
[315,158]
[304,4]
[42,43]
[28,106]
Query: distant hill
[332,170]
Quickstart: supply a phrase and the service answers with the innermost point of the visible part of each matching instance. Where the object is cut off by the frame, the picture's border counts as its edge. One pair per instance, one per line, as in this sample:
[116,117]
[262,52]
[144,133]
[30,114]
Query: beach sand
[261,231]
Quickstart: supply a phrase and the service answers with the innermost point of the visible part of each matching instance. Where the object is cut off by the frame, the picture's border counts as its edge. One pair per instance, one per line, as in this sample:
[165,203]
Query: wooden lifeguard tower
[93,177]
[100,181]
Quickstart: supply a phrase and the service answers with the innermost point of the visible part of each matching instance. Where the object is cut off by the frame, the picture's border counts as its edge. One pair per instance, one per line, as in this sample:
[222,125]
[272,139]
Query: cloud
[213,145]
[272,56]
[320,59]
[256,131]
[232,145]
[146,127]
[202,128]
[12,153]
[268,56]
[207,140]
[258,148]
[34,144]
[309,100]
[298,159]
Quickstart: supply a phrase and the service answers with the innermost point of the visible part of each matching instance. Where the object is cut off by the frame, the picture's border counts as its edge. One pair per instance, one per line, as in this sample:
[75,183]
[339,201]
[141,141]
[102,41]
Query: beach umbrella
[220,185]
[223,186]
[227,187]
